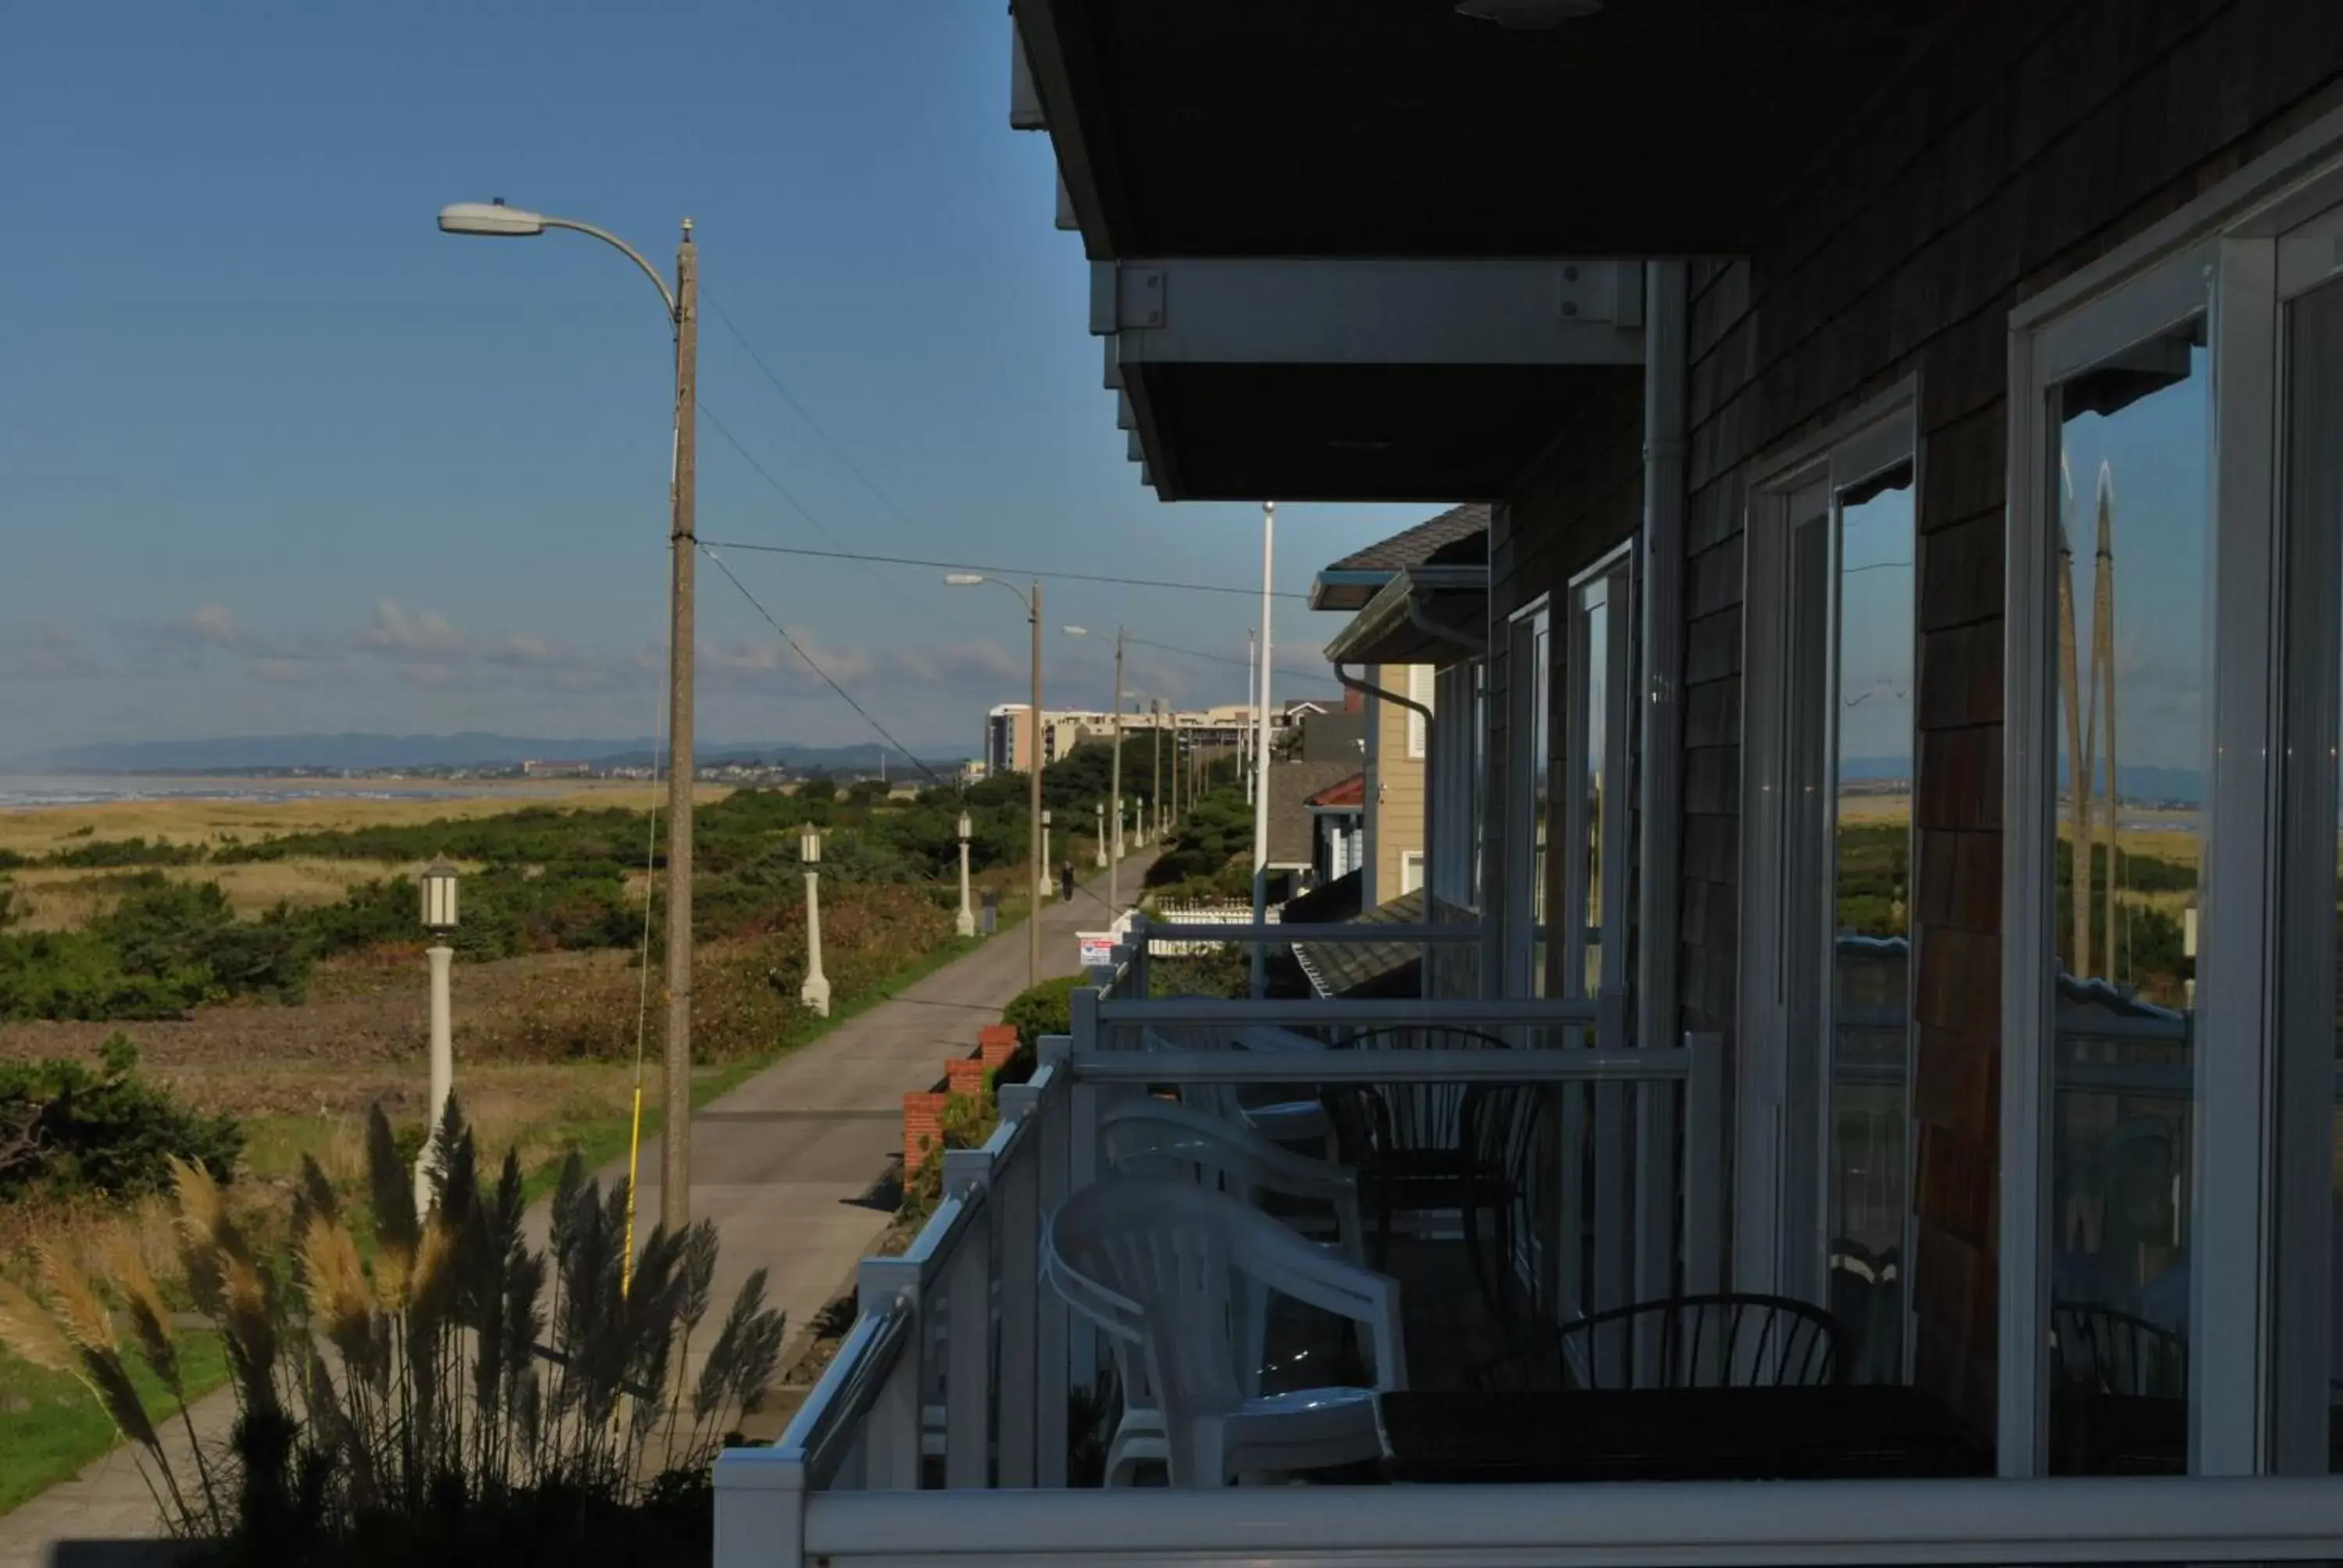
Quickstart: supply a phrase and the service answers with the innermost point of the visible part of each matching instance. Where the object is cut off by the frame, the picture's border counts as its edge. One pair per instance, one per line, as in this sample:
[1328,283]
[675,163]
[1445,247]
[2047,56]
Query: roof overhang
[1354,380]
[1401,128]
[1425,614]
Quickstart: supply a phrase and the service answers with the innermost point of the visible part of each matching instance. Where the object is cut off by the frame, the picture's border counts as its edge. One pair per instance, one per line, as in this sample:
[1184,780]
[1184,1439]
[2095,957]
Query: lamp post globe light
[815,993]
[966,922]
[438,879]
[1037,829]
[1098,810]
[495,220]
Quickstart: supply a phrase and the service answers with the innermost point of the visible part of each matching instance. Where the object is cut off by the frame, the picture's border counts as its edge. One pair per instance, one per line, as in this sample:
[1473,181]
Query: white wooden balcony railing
[924,1442]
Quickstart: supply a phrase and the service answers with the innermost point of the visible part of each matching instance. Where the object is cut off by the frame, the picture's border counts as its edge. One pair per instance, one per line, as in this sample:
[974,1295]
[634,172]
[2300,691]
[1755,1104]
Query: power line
[782,633]
[1004,571]
[795,505]
[1224,659]
[812,424]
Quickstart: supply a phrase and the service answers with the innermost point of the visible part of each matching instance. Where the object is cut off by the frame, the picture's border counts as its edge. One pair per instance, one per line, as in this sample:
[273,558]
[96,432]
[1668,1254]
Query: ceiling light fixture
[1527,16]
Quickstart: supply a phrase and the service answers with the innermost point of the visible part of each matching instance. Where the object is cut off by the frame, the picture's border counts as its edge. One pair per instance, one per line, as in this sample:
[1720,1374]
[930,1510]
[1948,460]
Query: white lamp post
[439,920]
[815,993]
[966,925]
[1042,891]
[1037,841]
[1099,810]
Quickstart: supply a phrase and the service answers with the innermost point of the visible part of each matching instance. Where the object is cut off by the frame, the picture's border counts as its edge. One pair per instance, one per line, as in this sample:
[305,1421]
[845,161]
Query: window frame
[1622,658]
[2218,257]
[1525,682]
[1422,680]
[1778,1234]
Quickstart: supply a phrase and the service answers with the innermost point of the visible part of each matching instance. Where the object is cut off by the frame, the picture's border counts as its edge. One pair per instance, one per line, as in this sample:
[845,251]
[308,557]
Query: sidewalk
[783,1164]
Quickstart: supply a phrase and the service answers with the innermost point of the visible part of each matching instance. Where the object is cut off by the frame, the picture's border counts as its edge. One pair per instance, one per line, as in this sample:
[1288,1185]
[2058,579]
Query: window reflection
[1871,860]
[1595,697]
[2130,579]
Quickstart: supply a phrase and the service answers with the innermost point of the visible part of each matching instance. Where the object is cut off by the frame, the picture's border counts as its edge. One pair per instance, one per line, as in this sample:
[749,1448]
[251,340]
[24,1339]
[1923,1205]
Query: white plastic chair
[1156,1264]
[1302,1122]
[1150,1138]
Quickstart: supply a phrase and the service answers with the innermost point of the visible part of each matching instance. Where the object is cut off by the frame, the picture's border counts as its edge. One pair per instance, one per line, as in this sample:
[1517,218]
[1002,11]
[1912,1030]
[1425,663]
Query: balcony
[923,1442]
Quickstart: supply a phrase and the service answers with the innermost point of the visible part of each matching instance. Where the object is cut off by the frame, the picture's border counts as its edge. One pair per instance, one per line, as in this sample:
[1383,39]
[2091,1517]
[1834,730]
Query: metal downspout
[1355,683]
[1421,619]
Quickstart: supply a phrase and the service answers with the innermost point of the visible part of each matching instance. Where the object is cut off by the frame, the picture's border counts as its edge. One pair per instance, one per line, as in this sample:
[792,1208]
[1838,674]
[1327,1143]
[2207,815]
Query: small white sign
[1098,947]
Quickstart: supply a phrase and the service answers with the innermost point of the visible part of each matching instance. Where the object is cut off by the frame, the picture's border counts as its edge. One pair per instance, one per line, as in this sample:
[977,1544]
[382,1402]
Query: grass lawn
[50,1427]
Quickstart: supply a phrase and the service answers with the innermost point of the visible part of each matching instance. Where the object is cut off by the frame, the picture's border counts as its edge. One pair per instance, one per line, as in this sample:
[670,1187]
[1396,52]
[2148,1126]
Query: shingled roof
[1351,581]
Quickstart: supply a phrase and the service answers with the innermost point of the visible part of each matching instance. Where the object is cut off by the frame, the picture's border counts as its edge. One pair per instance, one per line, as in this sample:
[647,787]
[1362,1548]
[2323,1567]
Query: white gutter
[1664,359]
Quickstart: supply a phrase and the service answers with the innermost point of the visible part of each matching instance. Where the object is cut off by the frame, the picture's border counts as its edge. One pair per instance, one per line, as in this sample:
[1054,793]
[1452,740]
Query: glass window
[1827,906]
[2310,1303]
[1593,653]
[1596,814]
[2128,710]
[1870,840]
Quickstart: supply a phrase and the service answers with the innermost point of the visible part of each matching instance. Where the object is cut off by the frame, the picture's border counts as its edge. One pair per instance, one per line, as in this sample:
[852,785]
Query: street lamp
[439,919]
[1111,853]
[815,993]
[966,925]
[494,219]
[1035,821]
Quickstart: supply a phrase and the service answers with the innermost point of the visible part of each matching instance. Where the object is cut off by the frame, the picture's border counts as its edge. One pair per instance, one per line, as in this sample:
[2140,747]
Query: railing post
[759,1508]
[1655,1214]
[968,1325]
[1017,1193]
[890,1433]
[1052,1354]
[1082,1010]
[1141,985]
[1704,1162]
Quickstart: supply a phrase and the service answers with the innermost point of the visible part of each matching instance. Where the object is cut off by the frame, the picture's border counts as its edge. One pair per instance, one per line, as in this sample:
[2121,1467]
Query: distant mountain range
[471,749]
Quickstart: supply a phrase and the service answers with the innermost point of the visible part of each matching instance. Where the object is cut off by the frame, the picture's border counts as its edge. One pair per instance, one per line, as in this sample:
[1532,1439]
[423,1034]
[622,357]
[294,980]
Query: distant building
[534,769]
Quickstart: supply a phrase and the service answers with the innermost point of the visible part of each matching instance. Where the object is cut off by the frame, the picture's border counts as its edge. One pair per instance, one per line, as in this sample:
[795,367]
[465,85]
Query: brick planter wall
[923,1127]
[996,1043]
[965,1075]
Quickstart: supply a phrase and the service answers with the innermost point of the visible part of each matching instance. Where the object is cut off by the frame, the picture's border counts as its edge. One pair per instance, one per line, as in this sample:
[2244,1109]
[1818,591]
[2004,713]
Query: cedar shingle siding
[2029,138]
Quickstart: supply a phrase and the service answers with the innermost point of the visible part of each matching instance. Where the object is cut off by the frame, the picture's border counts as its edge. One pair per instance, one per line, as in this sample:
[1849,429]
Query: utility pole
[1114,792]
[674,1147]
[1250,688]
[1261,763]
[1033,799]
[682,310]
[1155,791]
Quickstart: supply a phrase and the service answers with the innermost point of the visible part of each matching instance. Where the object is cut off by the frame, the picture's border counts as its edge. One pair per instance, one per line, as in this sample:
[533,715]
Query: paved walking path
[784,1164]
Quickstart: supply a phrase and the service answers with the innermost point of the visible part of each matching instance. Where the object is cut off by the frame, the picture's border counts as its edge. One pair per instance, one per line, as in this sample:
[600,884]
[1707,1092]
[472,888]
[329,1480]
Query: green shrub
[108,1131]
[98,854]
[1046,1009]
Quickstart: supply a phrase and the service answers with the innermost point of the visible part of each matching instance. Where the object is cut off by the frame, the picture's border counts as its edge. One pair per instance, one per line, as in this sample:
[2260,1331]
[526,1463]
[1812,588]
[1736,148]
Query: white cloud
[427,635]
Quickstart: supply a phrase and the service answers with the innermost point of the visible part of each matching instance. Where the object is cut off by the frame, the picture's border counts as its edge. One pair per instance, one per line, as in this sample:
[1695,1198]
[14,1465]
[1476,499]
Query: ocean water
[33,791]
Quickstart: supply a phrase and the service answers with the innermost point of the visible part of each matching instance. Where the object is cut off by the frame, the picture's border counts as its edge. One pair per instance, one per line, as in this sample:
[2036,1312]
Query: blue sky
[276,456]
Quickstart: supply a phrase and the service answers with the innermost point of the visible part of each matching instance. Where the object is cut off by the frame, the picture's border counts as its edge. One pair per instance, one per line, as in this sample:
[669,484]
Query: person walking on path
[1066,882]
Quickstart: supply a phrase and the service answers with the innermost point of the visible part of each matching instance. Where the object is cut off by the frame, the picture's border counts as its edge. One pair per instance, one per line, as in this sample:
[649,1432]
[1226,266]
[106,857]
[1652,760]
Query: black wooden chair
[1500,1126]
[2098,1350]
[1404,1139]
[1735,1341]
